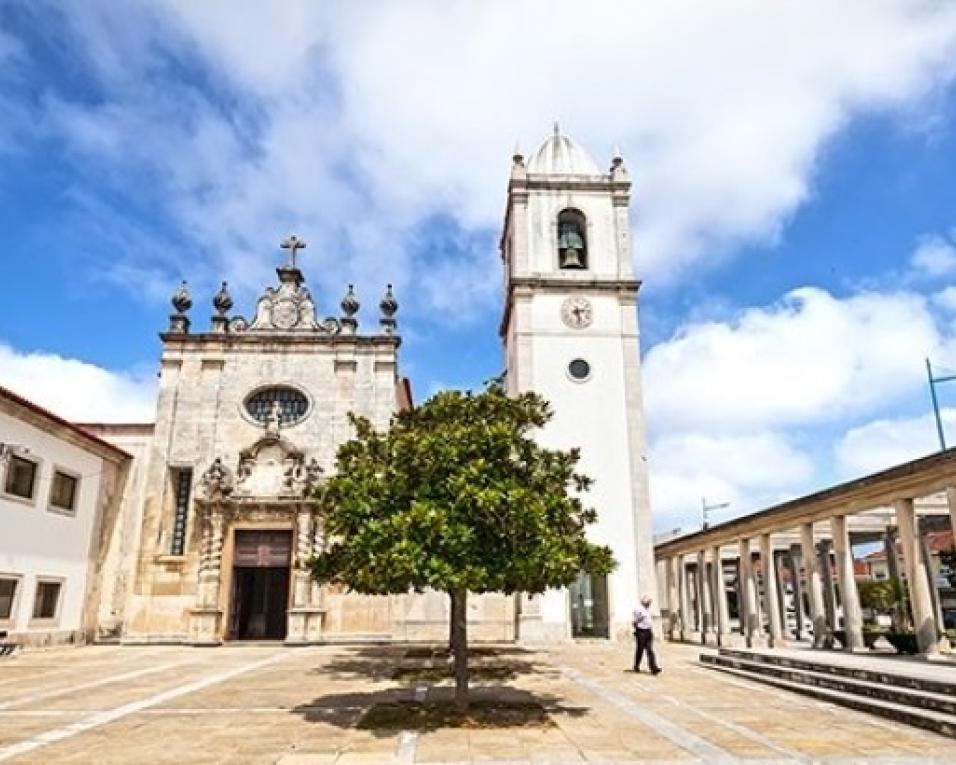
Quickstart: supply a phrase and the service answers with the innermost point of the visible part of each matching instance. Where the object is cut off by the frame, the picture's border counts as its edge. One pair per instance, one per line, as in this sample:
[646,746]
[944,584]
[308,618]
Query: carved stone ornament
[217,483]
[274,467]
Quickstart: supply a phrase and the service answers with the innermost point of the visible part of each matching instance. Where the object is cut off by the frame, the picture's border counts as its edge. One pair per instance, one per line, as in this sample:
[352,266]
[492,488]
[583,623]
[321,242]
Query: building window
[579,370]
[47,599]
[21,477]
[63,491]
[572,240]
[182,486]
[8,596]
[291,405]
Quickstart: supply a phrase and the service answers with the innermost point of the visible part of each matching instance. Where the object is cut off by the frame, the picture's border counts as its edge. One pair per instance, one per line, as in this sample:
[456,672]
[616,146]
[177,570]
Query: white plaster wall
[591,415]
[542,231]
[35,541]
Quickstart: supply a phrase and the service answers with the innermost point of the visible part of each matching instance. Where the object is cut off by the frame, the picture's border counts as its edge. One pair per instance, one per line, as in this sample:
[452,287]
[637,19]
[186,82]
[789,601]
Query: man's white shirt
[642,619]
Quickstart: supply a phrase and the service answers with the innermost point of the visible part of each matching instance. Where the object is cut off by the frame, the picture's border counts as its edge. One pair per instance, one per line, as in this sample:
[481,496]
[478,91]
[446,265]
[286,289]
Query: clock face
[576,312]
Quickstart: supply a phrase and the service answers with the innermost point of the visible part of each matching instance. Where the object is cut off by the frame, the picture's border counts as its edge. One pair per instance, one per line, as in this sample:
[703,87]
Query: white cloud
[886,442]
[77,390]
[745,410]
[745,470]
[352,123]
[934,257]
[810,358]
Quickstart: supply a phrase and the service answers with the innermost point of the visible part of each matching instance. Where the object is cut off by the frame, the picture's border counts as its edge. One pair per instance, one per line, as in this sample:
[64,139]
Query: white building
[570,334]
[218,519]
[59,489]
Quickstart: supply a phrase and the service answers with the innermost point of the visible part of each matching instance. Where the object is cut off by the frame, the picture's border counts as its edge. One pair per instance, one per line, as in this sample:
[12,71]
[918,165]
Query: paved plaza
[269,704]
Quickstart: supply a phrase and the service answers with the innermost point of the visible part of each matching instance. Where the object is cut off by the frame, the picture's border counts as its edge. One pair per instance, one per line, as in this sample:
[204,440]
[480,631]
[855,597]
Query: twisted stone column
[210,560]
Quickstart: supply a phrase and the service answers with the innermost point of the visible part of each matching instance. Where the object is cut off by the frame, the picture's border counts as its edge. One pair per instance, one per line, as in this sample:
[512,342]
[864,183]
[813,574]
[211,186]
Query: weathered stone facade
[217,520]
[220,462]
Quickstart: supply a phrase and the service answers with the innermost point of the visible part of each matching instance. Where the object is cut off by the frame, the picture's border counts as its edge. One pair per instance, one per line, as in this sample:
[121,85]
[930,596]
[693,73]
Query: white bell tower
[570,334]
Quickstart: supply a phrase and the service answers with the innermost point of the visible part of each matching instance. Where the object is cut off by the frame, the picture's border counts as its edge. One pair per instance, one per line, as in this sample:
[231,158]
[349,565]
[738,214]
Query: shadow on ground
[421,693]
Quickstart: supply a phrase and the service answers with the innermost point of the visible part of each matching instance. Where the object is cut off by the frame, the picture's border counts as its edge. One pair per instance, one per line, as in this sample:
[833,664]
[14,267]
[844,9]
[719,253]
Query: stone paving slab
[269,704]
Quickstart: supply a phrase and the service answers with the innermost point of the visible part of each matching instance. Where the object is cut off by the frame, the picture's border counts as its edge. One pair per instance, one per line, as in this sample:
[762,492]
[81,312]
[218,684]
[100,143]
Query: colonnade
[804,589]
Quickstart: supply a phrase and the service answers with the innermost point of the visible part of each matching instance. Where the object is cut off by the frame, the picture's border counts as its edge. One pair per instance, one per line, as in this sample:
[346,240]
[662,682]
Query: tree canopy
[457,496]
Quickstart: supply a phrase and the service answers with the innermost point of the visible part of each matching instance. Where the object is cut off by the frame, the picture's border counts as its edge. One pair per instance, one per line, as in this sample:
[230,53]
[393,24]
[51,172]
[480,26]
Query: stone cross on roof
[292,244]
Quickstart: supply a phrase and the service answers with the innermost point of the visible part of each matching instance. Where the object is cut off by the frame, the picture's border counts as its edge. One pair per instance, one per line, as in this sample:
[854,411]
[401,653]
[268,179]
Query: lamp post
[705,510]
[932,394]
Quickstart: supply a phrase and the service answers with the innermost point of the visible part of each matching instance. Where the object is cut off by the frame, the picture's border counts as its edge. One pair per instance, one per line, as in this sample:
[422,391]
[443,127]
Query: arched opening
[572,240]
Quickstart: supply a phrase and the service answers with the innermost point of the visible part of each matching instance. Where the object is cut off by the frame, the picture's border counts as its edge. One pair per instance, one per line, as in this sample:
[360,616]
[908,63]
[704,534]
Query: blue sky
[794,213]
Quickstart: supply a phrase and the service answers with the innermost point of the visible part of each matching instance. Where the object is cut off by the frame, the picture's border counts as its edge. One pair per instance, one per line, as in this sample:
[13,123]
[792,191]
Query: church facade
[216,521]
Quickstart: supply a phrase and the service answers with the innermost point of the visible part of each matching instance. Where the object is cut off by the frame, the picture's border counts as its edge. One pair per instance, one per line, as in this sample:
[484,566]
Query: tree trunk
[459,644]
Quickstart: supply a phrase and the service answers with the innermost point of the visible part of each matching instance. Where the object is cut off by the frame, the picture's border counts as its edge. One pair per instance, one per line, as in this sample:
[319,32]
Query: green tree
[457,496]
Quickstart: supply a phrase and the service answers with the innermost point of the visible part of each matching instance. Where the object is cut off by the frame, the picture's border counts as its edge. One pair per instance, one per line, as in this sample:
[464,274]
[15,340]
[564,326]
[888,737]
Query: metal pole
[932,393]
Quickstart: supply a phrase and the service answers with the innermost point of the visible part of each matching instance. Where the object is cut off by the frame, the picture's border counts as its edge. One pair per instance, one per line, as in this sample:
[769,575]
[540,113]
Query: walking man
[644,633]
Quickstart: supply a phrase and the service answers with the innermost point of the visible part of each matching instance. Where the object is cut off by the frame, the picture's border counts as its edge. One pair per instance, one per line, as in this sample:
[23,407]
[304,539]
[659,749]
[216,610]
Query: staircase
[904,694]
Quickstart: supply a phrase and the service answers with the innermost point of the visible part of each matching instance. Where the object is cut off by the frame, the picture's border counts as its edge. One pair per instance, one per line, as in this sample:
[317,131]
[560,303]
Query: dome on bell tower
[559,155]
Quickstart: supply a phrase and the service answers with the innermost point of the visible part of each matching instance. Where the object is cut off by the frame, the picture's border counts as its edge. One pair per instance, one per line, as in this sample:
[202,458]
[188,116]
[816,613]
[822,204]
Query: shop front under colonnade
[788,572]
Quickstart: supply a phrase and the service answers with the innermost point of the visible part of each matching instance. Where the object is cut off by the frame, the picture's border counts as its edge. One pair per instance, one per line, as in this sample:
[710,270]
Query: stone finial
[182,302]
[389,306]
[222,301]
[517,156]
[518,169]
[618,170]
[350,306]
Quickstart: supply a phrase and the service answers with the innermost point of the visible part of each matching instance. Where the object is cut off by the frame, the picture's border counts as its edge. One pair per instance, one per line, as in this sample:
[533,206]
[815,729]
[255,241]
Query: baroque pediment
[287,308]
[273,468]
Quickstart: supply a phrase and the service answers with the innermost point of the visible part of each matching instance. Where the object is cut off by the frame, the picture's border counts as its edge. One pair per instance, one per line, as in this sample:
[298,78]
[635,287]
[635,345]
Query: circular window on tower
[579,370]
[290,404]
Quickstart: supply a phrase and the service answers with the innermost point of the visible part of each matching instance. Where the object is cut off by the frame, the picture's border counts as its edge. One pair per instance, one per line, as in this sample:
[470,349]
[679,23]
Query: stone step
[939,702]
[938,722]
[872,674]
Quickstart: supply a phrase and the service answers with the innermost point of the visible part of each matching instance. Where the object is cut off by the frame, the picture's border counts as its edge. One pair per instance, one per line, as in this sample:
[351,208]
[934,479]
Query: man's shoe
[656,671]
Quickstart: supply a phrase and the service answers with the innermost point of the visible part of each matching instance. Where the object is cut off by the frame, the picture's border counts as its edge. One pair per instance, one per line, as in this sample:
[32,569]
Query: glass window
[21,477]
[182,486]
[63,491]
[48,595]
[579,369]
[8,591]
[290,404]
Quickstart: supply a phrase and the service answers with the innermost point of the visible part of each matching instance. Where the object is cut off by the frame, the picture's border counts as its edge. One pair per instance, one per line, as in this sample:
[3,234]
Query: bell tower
[570,334]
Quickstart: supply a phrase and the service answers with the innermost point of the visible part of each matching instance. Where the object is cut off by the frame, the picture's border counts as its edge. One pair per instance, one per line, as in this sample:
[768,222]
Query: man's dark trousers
[645,642]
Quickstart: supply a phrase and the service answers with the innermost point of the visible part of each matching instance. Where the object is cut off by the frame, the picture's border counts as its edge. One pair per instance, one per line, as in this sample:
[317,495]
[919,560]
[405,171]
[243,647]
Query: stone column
[673,597]
[684,599]
[852,614]
[829,596]
[749,624]
[814,584]
[951,501]
[794,561]
[303,551]
[771,603]
[721,610]
[205,623]
[704,596]
[781,593]
[916,582]
[931,578]
[739,591]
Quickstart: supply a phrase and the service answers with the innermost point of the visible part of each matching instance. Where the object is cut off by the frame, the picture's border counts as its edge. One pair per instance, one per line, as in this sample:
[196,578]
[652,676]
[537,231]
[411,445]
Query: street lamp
[932,394]
[705,509]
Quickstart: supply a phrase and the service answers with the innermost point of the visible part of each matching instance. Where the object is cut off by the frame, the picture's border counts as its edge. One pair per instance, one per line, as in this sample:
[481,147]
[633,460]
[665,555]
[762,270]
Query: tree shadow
[422,697]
